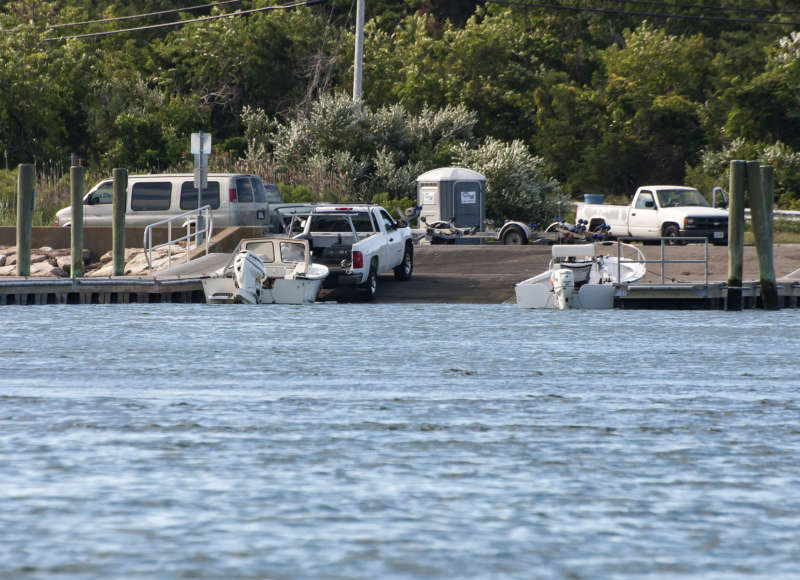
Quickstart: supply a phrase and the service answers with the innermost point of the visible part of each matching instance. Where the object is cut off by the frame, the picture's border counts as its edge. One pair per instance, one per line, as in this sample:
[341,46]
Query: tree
[37,105]
[516,186]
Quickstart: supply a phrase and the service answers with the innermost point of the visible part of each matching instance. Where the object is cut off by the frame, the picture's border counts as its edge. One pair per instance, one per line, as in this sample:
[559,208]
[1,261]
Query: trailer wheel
[403,271]
[515,237]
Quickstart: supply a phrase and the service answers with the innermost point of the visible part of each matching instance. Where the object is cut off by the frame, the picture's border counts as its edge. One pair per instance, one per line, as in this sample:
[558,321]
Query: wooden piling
[736,234]
[25,185]
[76,190]
[770,297]
[119,202]
[761,212]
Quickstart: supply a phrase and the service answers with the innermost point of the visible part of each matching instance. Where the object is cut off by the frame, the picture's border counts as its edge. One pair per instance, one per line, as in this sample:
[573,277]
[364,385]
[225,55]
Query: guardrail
[203,225]
[663,261]
[778,214]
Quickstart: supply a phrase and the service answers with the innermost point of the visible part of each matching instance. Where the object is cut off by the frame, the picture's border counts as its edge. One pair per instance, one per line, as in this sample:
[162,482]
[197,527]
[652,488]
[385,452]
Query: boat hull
[283,291]
[541,295]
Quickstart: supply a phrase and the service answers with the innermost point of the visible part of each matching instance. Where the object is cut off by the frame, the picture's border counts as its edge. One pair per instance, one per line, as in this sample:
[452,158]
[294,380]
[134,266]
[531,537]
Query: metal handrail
[204,218]
[663,261]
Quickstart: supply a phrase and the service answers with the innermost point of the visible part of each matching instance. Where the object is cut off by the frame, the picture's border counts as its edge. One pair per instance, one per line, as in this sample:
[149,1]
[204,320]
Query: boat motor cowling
[563,281]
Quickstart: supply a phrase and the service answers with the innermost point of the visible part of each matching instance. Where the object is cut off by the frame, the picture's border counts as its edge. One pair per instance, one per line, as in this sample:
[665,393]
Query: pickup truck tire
[515,237]
[406,267]
[367,290]
[671,231]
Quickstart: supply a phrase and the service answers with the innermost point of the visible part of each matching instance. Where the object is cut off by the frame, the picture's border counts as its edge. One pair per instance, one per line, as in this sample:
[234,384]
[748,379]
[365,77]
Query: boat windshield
[681,197]
[264,250]
[292,252]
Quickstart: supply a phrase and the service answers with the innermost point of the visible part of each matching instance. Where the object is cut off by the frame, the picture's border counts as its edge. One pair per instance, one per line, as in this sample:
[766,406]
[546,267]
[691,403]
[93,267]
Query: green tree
[370,152]
[38,109]
[516,186]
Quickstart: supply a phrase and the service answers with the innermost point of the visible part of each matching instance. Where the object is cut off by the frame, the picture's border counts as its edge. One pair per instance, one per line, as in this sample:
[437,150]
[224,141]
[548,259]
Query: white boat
[270,270]
[582,276]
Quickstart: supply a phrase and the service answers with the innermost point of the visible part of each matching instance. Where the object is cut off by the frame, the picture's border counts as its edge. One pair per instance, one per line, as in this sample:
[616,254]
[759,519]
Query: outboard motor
[248,276]
[563,281]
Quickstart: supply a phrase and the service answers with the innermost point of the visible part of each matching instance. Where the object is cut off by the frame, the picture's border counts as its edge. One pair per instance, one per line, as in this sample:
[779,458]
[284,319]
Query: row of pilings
[753,183]
[25,204]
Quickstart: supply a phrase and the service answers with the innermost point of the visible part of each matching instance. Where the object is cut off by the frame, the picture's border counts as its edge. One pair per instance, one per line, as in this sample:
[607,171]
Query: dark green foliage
[604,102]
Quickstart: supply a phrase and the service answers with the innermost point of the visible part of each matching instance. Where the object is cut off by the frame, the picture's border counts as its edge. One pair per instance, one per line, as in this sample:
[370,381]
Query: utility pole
[359,53]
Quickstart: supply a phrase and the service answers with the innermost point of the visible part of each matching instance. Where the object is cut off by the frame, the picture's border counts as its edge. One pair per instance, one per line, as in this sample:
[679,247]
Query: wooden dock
[122,290]
[711,296]
[127,290]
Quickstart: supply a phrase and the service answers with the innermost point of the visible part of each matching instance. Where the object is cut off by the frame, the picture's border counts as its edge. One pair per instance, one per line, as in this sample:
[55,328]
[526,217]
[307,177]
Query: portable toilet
[453,193]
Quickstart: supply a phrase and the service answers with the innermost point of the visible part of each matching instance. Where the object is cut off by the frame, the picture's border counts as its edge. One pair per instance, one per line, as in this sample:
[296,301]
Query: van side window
[103,194]
[259,193]
[151,196]
[189,195]
[244,191]
[273,193]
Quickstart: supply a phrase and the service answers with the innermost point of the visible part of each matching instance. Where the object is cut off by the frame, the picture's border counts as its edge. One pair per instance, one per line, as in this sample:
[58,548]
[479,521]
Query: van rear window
[244,191]
[189,195]
[151,196]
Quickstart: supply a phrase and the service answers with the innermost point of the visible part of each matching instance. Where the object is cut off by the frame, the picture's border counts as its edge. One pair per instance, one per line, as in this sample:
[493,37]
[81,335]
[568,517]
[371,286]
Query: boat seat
[579,271]
[277,271]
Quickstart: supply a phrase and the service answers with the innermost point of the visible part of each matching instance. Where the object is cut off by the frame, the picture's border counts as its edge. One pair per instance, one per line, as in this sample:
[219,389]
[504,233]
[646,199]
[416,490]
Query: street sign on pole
[201,148]
[201,143]
[200,171]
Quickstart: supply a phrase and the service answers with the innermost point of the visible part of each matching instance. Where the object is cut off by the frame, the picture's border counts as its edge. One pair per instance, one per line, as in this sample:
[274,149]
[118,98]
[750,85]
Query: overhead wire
[300,4]
[707,7]
[145,15]
[613,12]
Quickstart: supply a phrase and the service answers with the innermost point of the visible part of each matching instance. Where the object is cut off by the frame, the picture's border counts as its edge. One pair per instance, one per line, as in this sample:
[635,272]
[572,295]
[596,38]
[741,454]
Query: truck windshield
[681,197]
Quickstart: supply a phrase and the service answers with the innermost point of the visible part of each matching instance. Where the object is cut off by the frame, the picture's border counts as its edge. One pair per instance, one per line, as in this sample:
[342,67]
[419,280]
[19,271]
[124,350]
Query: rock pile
[46,261]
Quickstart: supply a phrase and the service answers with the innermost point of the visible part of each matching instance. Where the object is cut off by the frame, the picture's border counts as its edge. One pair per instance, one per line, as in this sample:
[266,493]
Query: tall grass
[51,193]
[323,185]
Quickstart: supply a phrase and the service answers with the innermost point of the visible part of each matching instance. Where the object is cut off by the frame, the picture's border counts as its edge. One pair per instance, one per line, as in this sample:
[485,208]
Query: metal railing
[201,225]
[664,261]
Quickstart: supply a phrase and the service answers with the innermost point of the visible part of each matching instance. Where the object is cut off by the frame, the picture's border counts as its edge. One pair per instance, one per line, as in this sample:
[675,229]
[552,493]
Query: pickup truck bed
[356,243]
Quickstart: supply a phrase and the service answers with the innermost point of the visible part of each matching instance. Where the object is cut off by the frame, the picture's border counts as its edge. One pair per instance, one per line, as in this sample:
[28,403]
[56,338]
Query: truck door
[395,245]
[643,220]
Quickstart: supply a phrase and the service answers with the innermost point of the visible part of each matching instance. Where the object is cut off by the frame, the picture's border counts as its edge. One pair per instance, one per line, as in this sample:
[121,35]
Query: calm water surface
[398,441]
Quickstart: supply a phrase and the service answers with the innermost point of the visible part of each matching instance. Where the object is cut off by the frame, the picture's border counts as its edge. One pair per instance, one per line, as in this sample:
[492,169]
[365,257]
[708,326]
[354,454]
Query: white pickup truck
[356,242]
[669,211]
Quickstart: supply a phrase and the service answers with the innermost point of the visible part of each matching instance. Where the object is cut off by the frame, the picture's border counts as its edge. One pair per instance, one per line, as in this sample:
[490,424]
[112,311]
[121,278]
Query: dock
[443,274]
[123,290]
[711,296]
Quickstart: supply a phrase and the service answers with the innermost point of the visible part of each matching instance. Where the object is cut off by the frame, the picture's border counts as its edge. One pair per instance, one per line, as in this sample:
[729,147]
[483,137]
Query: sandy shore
[486,274]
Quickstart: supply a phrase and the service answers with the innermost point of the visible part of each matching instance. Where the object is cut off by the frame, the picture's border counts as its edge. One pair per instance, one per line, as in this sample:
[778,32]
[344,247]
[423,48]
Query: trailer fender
[514,233]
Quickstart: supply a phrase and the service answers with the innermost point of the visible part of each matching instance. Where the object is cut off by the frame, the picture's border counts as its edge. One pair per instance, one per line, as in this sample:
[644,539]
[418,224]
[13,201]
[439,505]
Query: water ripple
[362,441]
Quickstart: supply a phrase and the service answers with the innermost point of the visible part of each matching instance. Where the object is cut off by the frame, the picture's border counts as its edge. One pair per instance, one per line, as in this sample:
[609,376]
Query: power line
[707,7]
[637,13]
[146,15]
[191,21]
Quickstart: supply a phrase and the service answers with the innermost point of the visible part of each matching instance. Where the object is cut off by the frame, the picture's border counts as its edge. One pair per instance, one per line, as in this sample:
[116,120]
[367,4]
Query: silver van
[235,200]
